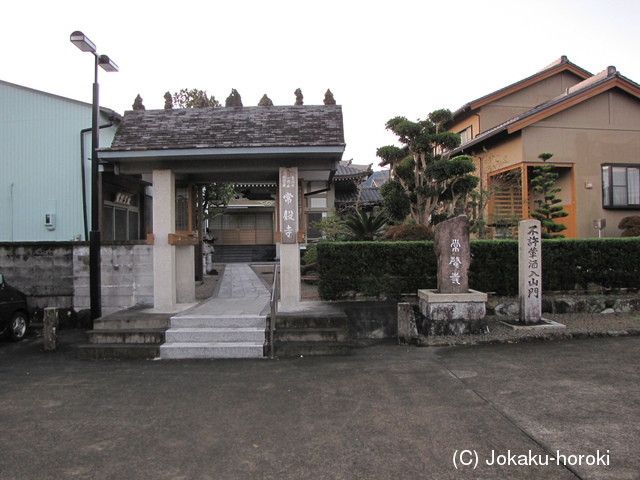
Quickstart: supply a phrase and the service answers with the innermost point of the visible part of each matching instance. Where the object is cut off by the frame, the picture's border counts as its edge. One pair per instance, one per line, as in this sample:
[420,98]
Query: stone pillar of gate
[164,254]
[185,274]
[288,213]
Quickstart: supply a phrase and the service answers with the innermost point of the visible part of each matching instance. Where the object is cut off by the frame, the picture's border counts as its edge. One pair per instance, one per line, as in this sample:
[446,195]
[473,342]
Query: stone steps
[133,323]
[210,350]
[143,336]
[309,349]
[218,321]
[312,334]
[101,351]
[214,336]
[130,334]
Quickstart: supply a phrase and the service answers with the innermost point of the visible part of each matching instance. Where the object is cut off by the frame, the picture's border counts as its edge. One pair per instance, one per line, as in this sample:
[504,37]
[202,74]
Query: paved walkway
[239,292]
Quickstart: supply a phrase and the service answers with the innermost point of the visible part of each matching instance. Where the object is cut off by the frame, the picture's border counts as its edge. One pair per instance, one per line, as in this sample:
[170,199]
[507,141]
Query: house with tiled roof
[591,123]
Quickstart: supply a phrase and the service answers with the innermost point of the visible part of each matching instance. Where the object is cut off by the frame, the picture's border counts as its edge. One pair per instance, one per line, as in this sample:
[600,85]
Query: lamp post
[95,294]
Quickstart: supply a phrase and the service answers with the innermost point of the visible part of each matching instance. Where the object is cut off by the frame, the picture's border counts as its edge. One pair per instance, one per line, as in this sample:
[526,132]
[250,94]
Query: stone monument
[453,308]
[530,279]
[530,271]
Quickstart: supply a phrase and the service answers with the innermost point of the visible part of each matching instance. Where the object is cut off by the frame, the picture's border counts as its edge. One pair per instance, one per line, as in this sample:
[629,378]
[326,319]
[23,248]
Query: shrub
[392,268]
[409,233]
[374,269]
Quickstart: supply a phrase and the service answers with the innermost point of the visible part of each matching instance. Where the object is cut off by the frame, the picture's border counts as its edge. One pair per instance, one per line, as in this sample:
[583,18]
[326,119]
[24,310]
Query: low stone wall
[127,276]
[570,303]
[43,271]
[57,274]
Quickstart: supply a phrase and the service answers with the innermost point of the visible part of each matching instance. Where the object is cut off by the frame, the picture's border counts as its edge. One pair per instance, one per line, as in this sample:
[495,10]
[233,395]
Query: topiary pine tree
[543,183]
[435,186]
[630,226]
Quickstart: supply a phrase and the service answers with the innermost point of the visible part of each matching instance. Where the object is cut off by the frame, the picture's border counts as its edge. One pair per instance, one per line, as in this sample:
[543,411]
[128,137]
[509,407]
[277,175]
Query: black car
[14,314]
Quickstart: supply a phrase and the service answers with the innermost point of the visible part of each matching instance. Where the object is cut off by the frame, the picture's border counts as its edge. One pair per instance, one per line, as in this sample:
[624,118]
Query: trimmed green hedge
[391,268]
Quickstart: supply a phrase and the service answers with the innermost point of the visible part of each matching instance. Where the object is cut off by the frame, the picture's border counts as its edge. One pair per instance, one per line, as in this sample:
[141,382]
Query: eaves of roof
[365,196]
[347,172]
[563,64]
[596,85]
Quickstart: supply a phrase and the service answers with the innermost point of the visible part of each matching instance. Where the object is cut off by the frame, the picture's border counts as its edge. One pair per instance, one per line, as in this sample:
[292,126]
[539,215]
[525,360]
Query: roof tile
[209,127]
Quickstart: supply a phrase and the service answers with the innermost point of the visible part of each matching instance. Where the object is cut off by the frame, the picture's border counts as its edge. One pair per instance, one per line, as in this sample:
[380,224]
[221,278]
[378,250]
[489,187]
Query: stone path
[239,292]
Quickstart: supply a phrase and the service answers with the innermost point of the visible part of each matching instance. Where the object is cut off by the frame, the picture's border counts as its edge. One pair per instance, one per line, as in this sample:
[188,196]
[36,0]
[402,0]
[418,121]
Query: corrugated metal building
[44,141]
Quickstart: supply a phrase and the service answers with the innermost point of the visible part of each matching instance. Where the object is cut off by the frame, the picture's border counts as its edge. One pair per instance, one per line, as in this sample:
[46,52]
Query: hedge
[390,269]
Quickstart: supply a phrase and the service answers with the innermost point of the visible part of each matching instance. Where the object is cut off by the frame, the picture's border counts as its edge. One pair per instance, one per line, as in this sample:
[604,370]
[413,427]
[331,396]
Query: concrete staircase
[310,333]
[214,336]
[128,334]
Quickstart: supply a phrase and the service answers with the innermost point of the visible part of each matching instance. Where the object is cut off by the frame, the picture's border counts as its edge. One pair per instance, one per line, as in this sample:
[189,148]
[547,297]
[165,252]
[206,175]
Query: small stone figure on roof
[328,98]
[137,103]
[168,101]
[265,101]
[234,99]
[298,94]
[201,102]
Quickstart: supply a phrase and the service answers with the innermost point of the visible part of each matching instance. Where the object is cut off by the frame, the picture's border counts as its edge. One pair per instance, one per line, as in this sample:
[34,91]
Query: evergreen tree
[543,183]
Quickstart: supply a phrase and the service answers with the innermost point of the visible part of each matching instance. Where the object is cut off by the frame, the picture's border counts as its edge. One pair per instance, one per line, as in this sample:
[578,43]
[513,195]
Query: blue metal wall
[40,164]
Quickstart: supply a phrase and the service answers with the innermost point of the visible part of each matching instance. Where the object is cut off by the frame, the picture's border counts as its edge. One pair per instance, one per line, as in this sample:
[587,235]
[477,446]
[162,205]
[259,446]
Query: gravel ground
[578,325]
[206,288]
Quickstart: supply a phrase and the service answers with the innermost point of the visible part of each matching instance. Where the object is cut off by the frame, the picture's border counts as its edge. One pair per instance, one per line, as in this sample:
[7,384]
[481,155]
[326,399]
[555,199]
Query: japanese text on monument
[533,252]
[455,261]
[288,207]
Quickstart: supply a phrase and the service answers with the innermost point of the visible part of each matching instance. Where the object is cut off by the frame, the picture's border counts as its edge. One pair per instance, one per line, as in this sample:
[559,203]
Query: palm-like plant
[363,226]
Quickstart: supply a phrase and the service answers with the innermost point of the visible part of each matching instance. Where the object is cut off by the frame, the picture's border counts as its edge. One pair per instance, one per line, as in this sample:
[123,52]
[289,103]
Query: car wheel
[18,327]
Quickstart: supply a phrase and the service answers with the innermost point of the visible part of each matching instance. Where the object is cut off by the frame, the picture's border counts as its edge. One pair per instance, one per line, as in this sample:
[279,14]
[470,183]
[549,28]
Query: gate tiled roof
[230,127]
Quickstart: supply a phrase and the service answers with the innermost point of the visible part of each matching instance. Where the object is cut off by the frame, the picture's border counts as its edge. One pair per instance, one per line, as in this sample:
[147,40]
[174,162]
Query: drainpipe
[84,181]
[11,206]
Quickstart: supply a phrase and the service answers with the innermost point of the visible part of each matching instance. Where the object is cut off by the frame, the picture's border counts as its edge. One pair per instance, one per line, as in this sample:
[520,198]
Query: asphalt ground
[386,412]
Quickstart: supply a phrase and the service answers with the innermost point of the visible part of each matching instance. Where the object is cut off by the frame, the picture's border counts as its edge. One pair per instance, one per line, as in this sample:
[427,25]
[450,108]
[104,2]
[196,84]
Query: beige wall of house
[604,129]
[465,122]
[513,104]
[521,101]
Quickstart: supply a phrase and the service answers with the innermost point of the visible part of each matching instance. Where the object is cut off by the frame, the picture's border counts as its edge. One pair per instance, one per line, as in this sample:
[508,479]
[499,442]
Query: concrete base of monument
[542,323]
[453,313]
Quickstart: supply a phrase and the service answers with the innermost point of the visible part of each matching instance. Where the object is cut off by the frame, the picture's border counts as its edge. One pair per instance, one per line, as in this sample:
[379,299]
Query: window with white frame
[620,186]
[465,135]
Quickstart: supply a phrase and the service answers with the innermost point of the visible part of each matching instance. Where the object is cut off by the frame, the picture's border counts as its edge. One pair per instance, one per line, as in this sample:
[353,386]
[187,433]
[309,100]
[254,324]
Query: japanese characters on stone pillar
[288,206]
[530,271]
[451,245]
[289,249]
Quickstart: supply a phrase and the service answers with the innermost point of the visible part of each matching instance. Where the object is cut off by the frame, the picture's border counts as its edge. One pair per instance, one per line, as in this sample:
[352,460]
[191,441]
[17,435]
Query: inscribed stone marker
[451,245]
[530,271]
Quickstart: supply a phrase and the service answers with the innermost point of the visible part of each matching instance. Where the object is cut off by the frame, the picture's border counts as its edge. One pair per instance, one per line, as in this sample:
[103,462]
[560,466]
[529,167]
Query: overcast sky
[380,59]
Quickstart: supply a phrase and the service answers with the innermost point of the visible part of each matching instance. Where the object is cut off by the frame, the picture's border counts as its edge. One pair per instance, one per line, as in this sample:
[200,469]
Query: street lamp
[86,45]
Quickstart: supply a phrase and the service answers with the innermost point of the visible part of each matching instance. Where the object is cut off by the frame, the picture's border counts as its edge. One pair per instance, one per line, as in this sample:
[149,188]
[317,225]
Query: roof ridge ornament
[234,99]
[265,101]
[328,98]
[137,103]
